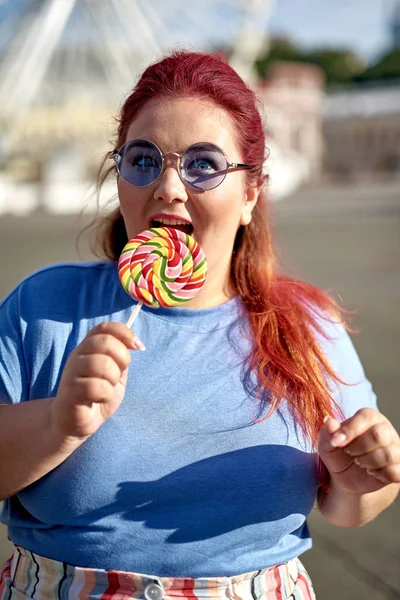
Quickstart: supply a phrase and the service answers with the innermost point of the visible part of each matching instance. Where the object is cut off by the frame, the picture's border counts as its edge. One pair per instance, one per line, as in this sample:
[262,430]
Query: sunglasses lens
[139,162]
[203,166]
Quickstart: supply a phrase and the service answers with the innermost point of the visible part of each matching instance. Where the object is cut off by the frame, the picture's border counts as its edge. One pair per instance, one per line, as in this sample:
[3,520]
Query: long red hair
[284,313]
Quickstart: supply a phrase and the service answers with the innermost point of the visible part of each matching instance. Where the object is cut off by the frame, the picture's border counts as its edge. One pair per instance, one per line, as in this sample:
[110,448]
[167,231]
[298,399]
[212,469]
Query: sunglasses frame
[116,156]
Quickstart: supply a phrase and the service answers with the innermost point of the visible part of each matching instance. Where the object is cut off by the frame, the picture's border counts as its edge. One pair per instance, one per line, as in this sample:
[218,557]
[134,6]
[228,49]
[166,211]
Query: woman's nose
[170,186]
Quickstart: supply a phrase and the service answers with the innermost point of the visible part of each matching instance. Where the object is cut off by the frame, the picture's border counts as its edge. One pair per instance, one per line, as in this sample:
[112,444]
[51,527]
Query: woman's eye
[144,162]
[202,164]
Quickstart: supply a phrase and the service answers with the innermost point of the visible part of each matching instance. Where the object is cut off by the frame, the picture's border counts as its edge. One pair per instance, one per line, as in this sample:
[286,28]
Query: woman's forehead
[176,123]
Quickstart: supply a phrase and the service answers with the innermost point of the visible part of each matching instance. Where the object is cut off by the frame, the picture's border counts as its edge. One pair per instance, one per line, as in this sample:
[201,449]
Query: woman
[189,468]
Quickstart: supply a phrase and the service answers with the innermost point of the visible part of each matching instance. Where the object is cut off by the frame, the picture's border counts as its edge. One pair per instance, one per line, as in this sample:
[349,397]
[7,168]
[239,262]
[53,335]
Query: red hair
[284,313]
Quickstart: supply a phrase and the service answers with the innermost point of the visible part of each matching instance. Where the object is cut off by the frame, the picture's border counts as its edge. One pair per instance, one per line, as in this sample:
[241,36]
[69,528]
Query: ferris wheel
[66,66]
[57,51]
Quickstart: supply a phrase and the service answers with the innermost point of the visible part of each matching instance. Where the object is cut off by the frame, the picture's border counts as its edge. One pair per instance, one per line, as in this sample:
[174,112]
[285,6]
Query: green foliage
[387,67]
[340,65]
[281,49]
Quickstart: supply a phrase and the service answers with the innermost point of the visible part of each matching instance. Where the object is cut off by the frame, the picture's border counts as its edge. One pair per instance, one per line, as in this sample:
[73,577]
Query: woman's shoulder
[332,335]
[65,291]
[67,271]
[339,347]
[60,277]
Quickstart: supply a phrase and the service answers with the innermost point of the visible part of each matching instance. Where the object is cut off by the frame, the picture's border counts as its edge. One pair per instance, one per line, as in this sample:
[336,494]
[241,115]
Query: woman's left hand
[362,454]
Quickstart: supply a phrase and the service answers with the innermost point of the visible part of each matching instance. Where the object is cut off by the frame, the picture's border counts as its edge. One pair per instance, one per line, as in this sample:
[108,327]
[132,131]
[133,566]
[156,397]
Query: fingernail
[338,439]
[137,344]
[140,345]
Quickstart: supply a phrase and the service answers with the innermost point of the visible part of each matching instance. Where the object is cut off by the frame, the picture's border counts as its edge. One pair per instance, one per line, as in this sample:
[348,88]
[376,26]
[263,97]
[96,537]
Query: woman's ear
[250,202]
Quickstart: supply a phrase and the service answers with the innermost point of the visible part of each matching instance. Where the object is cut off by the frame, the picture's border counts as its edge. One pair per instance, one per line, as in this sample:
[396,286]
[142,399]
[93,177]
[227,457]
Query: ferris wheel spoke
[118,60]
[129,12]
[157,23]
[17,53]
[251,39]
[37,52]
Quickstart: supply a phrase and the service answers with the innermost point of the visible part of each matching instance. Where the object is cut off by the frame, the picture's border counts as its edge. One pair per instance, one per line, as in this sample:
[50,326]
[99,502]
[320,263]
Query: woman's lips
[176,222]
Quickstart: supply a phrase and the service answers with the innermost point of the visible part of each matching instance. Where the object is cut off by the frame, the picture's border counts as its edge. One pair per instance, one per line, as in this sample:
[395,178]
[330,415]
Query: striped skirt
[30,576]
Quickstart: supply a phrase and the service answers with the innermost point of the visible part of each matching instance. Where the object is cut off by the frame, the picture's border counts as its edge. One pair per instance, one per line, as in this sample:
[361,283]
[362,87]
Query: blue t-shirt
[181,480]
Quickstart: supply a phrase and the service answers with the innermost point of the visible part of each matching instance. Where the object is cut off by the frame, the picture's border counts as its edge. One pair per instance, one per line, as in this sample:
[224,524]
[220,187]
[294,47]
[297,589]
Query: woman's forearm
[348,509]
[29,446]
[37,436]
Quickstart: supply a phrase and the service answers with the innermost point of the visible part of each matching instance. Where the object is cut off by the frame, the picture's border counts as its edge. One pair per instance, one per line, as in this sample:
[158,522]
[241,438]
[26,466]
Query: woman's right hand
[93,382]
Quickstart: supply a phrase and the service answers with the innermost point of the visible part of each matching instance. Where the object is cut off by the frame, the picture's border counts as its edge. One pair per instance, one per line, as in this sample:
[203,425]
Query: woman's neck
[213,293]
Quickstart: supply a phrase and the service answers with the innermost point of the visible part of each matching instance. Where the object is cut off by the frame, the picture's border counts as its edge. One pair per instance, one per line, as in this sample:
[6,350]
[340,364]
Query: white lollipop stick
[134,314]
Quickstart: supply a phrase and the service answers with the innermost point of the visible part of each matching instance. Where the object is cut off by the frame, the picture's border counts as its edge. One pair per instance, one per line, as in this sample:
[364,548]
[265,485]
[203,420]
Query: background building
[395,26]
[361,131]
[361,125]
[293,96]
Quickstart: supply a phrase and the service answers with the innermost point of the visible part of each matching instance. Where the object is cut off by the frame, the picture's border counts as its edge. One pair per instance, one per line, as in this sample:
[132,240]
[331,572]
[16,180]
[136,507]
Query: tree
[340,65]
[281,49]
[386,67]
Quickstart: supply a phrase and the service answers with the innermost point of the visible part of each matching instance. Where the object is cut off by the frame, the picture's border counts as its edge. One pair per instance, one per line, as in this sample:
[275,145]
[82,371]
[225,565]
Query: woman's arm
[362,455]
[346,509]
[37,436]
[29,445]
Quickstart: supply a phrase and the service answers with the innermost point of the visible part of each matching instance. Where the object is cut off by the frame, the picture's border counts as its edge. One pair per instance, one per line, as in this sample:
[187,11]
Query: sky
[359,24]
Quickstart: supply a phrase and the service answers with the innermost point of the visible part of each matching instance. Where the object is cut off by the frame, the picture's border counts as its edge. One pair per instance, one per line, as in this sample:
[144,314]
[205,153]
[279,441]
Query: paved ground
[343,239]
[348,240]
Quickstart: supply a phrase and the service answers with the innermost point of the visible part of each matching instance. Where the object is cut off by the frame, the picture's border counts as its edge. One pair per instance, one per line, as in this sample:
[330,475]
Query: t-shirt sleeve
[14,385]
[356,392]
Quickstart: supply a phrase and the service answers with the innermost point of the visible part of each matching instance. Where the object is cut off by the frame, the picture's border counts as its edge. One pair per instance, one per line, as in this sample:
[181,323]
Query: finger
[119,331]
[379,458]
[352,428]
[334,459]
[388,474]
[330,427]
[124,377]
[99,366]
[377,436]
[94,390]
[120,387]
[137,343]
[107,345]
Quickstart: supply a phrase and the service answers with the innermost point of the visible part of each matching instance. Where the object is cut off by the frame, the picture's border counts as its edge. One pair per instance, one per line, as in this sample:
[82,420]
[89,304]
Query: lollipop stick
[134,314]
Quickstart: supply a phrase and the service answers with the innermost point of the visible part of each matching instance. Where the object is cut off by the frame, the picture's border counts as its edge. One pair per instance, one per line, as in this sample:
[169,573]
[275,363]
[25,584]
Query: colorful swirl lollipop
[162,267]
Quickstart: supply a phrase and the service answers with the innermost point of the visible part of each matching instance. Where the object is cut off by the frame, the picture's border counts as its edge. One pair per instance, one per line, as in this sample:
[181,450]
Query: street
[343,239]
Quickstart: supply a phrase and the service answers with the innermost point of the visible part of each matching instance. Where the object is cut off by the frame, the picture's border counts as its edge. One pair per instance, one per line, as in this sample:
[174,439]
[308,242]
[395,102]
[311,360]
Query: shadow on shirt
[205,499]
[220,494]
